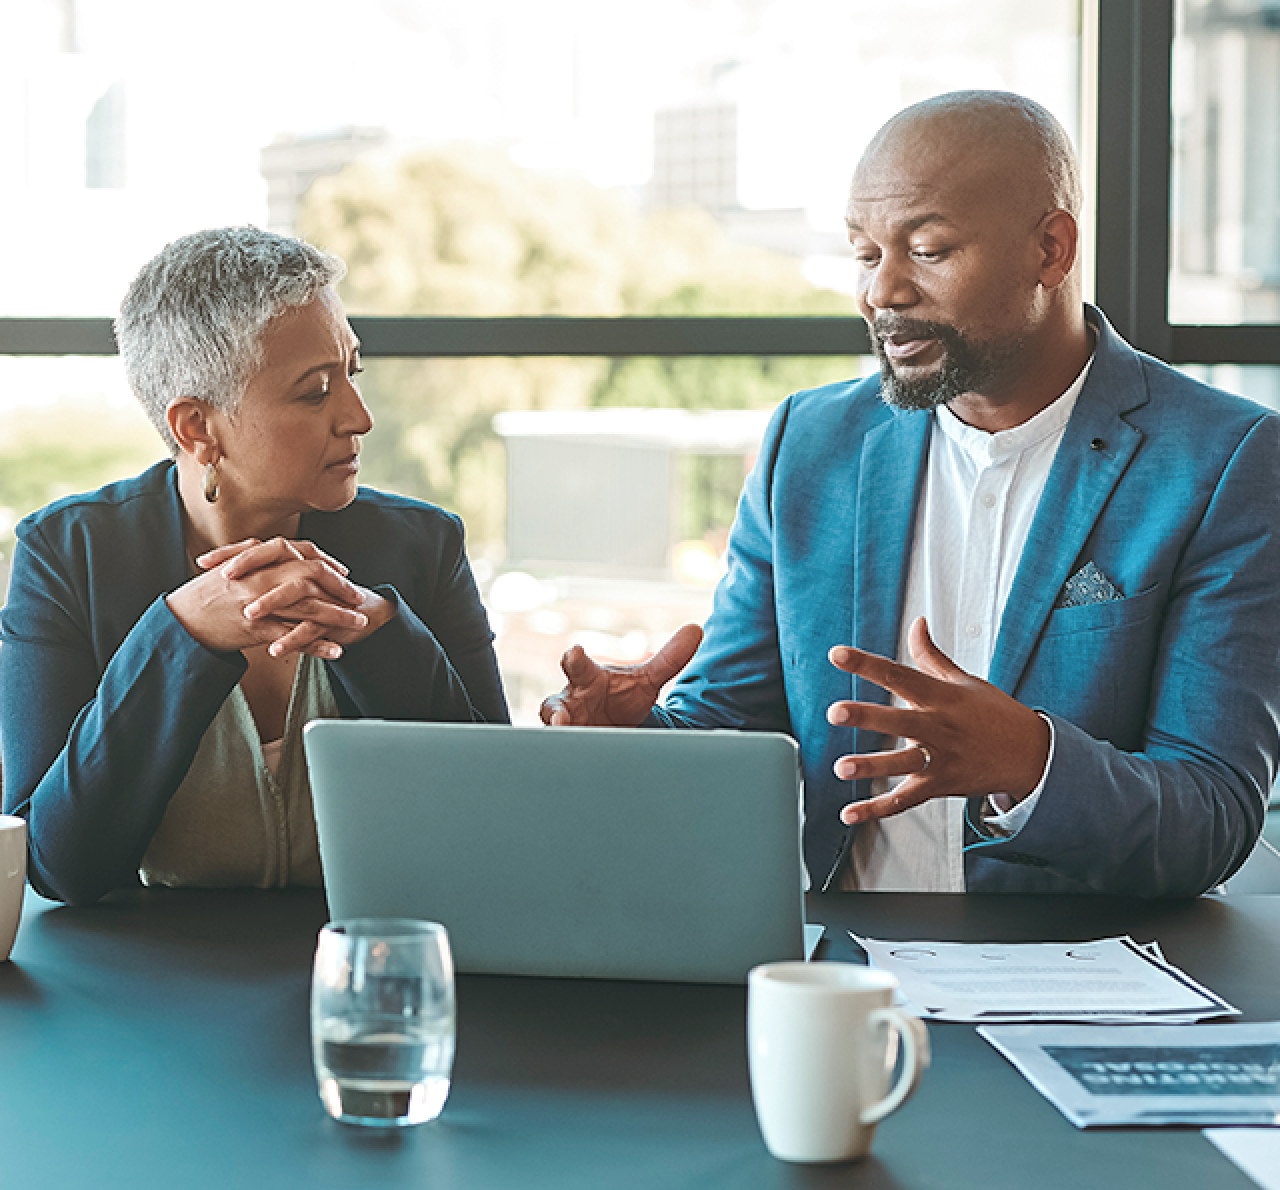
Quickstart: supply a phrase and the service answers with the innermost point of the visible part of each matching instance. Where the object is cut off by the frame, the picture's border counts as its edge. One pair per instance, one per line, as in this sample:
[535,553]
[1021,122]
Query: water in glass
[382,1021]
[386,1071]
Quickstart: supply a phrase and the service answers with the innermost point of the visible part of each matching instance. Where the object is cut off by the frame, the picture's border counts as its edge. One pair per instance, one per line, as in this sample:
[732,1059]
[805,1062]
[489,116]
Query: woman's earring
[211,483]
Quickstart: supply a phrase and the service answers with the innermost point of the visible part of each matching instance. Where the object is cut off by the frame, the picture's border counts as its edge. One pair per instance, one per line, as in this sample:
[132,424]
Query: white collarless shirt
[979,496]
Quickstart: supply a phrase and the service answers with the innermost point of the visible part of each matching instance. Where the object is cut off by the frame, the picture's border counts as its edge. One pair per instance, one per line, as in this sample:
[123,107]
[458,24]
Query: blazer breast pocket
[1092,666]
[1104,617]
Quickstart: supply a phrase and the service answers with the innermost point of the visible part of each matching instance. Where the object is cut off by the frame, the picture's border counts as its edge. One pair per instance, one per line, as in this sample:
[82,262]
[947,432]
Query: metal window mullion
[479,337]
[1135,47]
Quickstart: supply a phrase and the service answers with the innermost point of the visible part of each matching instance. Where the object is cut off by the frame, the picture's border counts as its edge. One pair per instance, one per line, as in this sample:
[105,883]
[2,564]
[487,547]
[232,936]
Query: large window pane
[1226,169]
[491,157]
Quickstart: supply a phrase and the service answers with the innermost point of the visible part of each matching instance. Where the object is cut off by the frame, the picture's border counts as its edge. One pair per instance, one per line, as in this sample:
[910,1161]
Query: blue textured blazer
[104,696]
[1163,700]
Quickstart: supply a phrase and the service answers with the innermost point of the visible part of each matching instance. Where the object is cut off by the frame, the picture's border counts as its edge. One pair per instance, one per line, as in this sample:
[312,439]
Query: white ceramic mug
[13,878]
[822,1042]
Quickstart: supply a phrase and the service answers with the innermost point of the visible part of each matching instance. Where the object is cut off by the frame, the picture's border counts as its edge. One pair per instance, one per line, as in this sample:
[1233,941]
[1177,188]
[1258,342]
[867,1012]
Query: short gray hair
[192,321]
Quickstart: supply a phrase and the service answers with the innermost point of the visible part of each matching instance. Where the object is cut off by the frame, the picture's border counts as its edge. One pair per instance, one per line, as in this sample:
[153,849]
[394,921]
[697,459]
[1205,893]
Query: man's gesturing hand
[964,736]
[617,695]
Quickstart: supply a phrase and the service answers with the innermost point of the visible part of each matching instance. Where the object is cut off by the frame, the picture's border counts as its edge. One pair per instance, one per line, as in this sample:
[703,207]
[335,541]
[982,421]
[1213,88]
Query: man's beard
[967,366]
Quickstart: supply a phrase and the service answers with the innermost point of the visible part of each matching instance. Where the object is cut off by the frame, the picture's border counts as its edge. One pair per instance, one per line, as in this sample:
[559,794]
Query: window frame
[401,338]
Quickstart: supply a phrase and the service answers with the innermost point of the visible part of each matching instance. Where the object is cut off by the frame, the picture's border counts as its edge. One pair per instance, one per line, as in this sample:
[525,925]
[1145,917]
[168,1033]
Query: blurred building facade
[696,164]
[1226,231]
[292,162]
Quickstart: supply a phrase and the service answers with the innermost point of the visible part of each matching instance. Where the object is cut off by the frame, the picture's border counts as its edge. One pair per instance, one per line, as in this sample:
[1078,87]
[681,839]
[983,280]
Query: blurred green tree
[463,231]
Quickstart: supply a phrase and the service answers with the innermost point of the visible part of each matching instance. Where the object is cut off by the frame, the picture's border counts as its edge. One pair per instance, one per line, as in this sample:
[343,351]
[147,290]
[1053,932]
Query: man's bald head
[1016,143]
[963,216]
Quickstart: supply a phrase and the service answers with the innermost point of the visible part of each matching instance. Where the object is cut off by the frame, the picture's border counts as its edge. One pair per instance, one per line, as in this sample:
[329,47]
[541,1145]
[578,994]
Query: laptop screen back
[642,854]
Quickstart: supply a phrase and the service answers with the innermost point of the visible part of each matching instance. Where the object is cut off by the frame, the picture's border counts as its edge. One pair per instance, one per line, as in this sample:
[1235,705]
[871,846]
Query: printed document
[1111,981]
[1255,1150]
[812,936]
[1150,1076]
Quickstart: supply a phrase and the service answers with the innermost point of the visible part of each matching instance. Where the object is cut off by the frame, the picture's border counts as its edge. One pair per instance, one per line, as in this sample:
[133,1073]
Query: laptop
[587,852]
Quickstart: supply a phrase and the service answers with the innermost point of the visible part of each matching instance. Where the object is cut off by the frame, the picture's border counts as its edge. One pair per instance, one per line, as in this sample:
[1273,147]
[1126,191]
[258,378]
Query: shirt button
[974,630]
[988,501]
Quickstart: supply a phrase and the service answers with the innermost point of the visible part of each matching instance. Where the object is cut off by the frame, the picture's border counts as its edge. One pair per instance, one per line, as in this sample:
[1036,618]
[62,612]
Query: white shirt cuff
[1004,817]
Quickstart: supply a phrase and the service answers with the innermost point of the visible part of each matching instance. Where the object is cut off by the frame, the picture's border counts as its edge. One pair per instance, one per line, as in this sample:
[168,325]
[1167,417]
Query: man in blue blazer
[1092,534]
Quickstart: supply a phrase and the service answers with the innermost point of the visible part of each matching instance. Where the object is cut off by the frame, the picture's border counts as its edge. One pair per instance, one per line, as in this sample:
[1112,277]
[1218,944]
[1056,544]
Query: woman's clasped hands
[288,595]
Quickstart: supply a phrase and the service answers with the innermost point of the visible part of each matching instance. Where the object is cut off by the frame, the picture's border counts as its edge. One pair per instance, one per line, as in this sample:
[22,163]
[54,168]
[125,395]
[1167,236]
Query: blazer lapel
[169,549]
[892,467]
[1095,450]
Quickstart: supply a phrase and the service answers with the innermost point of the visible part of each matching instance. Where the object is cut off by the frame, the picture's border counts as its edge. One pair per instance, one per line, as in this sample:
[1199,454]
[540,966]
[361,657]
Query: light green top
[231,822]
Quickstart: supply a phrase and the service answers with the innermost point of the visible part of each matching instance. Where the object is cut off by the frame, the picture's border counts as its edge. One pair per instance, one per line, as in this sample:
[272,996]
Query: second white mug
[822,1041]
[13,878]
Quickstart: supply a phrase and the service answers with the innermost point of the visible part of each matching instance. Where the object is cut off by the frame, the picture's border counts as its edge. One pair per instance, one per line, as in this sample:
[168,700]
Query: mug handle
[915,1060]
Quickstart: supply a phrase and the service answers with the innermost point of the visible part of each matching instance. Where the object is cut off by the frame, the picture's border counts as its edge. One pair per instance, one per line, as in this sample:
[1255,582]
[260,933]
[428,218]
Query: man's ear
[191,426]
[1059,240]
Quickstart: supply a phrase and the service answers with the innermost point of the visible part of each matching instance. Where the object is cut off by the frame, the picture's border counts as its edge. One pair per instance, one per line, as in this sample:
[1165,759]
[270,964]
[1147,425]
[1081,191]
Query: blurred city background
[571,157]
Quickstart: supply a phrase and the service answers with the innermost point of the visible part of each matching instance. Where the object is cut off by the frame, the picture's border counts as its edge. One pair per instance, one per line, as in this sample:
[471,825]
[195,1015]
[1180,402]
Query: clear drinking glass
[382,1020]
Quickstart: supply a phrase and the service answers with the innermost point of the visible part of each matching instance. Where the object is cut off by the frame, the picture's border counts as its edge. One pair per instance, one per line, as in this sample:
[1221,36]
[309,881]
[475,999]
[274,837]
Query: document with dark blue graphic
[1133,1076]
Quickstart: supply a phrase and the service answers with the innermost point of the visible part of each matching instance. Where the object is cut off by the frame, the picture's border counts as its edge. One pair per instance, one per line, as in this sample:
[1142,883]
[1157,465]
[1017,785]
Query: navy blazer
[1163,701]
[104,696]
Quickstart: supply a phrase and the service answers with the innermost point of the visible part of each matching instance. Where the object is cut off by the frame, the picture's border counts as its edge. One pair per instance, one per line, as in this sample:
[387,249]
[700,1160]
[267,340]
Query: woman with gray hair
[167,637]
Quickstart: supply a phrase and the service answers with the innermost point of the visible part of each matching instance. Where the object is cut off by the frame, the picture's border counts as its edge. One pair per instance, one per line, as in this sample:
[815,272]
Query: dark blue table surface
[161,1040]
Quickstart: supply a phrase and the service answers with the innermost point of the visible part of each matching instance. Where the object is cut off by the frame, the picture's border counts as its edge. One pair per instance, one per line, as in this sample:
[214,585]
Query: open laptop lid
[613,853]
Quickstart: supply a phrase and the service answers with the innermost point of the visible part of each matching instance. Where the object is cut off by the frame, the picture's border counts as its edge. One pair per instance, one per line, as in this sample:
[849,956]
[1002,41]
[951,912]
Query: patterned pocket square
[1087,585]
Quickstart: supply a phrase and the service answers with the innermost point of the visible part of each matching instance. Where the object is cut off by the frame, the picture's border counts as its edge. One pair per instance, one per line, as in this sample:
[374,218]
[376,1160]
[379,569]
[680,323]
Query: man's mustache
[899,326]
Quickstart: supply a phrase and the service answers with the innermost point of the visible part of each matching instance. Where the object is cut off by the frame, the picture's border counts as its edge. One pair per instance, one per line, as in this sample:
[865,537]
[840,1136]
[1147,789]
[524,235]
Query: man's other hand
[964,737]
[617,695]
